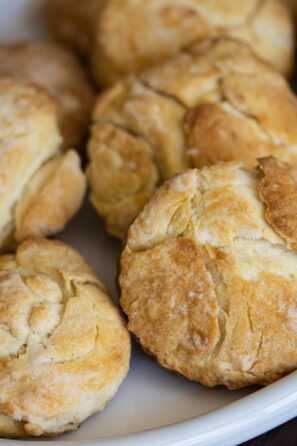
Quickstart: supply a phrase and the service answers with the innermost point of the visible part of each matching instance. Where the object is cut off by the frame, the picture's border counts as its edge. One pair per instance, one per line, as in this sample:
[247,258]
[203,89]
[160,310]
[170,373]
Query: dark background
[285,435]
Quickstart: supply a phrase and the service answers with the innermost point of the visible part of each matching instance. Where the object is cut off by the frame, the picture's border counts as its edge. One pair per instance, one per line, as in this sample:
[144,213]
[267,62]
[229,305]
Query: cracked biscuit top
[218,102]
[64,347]
[121,37]
[209,274]
[40,188]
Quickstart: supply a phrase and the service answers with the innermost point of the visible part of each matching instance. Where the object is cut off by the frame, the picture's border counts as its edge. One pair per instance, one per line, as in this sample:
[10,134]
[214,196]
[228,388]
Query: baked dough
[64,347]
[124,36]
[218,102]
[40,188]
[55,69]
[209,274]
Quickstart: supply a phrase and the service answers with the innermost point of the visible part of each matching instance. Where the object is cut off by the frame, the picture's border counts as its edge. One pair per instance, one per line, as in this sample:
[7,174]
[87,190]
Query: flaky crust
[64,348]
[136,143]
[120,186]
[218,102]
[278,190]
[55,69]
[123,36]
[40,190]
[51,198]
[208,284]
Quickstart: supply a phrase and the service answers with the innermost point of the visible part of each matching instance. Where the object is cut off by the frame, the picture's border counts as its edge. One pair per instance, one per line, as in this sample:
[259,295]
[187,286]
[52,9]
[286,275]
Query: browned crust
[215,102]
[204,237]
[55,69]
[41,189]
[184,321]
[108,31]
[64,349]
[51,198]
[278,190]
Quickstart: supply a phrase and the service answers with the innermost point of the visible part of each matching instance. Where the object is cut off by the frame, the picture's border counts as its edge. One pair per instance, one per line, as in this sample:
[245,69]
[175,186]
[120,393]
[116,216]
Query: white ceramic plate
[153,407]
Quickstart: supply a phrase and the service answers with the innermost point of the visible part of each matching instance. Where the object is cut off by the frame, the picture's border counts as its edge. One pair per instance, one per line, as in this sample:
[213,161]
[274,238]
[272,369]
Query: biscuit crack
[15,203]
[162,93]
[43,341]
[132,132]
[47,358]
[247,115]
[257,354]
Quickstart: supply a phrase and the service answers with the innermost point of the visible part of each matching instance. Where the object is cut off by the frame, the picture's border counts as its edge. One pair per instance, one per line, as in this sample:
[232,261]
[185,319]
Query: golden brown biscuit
[40,189]
[136,143]
[64,347]
[55,69]
[124,36]
[218,102]
[209,274]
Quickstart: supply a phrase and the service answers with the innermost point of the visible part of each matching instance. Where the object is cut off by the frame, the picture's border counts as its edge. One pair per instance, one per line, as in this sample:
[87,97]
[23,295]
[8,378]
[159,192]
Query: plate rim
[234,423]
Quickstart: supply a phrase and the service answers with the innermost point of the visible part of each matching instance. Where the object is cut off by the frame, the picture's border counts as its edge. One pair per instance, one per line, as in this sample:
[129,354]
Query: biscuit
[57,70]
[40,188]
[218,102]
[209,274]
[64,347]
[120,37]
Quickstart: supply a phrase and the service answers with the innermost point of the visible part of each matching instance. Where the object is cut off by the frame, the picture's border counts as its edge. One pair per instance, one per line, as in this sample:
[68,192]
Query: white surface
[153,407]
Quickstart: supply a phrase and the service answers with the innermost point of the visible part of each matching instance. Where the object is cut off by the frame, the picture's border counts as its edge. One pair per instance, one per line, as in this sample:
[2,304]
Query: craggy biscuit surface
[55,69]
[64,347]
[218,102]
[209,274]
[40,189]
[121,37]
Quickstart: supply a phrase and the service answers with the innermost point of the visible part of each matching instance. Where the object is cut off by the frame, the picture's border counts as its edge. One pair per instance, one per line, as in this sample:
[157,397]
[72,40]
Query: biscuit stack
[192,161]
